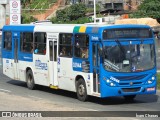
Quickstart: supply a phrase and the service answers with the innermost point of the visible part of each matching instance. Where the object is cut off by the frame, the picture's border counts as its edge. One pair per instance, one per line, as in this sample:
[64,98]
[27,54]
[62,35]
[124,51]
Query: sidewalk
[10,102]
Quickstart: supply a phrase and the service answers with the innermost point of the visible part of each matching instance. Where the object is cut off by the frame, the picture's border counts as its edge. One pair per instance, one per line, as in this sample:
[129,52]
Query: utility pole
[94,11]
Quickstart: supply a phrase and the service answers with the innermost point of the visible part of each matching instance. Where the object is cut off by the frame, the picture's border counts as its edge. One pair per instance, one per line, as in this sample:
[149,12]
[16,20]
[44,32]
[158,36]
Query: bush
[25,18]
[71,14]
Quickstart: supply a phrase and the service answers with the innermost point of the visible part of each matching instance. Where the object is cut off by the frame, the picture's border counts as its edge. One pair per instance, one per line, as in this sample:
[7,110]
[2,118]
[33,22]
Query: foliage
[26,18]
[149,8]
[37,4]
[72,14]
[92,9]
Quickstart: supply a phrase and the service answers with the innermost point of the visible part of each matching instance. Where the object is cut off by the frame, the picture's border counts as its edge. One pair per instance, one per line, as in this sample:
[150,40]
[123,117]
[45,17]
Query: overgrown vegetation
[34,4]
[26,18]
[37,4]
[149,8]
[73,14]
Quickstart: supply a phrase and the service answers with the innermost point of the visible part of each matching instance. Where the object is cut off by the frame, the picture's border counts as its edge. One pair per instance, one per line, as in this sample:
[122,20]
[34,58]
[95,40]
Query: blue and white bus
[95,60]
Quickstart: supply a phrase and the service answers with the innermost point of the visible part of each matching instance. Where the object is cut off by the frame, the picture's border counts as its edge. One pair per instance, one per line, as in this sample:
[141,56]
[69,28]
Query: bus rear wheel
[30,80]
[81,90]
[129,97]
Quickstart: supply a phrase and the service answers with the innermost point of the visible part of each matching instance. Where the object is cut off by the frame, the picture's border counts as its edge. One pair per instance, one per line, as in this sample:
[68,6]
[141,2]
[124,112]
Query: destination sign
[127,33]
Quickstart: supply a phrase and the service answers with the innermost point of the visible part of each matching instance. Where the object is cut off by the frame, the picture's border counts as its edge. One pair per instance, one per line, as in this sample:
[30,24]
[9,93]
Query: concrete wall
[2,16]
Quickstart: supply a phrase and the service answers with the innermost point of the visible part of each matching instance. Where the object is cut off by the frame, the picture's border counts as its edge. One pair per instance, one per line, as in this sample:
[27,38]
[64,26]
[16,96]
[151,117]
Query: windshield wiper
[121,47]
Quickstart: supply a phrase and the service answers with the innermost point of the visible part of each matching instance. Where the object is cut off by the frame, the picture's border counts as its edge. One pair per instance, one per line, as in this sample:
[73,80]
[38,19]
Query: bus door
[40,59]
[96,65]
[52,65]
[16,37]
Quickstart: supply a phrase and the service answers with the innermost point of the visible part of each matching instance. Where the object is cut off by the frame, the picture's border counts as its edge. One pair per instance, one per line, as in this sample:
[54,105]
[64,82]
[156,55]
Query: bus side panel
[8,67]
[24,60]
[66,78]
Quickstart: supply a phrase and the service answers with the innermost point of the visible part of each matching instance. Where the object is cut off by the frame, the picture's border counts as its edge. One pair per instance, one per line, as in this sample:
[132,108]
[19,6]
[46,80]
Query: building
[112,4]
[131,4]
[107,4]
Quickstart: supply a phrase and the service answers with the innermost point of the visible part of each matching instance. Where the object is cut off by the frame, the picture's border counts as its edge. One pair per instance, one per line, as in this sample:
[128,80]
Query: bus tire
[81,90]
[129,97]
[30,80]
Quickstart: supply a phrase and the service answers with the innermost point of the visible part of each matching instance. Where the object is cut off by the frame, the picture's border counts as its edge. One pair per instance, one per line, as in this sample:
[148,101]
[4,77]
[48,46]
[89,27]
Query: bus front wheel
[81,90]
[30,80]
[129,97]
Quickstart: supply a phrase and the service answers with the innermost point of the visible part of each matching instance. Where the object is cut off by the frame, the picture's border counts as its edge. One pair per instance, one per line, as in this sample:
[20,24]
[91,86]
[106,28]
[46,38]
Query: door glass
[55,50]
[15,50]
[51,50]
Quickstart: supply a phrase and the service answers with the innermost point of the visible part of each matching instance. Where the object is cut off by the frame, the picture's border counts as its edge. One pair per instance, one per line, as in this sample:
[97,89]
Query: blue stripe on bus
[21,56]
[24,28]
[25,57]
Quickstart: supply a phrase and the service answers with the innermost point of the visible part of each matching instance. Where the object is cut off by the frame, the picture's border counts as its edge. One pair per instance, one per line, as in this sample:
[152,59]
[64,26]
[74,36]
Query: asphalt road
[69,100]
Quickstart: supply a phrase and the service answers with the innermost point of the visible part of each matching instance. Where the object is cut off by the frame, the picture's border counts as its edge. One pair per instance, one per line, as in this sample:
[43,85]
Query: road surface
[15,96]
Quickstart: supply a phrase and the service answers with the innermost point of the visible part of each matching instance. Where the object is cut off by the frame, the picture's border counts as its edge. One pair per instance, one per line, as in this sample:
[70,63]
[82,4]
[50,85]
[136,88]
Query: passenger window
[40,43]
[81,46]
[27,42]
[65,45]
[7,41]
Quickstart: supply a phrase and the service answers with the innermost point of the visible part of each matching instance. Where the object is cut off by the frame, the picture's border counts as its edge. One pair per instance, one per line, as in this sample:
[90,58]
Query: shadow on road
[102,101]
[120,100]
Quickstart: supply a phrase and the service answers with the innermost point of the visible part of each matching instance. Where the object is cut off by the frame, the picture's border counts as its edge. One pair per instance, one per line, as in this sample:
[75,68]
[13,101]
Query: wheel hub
[81,90]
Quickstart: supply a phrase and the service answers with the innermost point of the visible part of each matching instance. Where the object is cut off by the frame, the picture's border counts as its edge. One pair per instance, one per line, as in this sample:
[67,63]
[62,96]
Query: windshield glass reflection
[128,58]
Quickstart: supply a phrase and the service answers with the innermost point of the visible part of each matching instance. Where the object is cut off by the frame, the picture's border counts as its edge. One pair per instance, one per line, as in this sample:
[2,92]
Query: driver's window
[81,46]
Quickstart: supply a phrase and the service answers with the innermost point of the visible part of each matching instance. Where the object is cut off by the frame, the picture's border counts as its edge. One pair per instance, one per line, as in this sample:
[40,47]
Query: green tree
[149,8]
[26,18]
[69,14]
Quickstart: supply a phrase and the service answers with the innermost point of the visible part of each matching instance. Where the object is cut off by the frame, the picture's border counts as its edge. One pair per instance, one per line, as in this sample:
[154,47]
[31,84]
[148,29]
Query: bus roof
[54,28]
[21,27]
[99,28]
[60,28]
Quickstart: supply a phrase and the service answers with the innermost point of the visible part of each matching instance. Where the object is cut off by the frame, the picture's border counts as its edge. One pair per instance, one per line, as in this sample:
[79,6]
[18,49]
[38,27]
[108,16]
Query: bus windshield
[128,58]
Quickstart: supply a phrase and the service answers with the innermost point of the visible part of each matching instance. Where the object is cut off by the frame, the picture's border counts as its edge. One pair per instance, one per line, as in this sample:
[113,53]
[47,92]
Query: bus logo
[40,65]
[95,38]
[131,83]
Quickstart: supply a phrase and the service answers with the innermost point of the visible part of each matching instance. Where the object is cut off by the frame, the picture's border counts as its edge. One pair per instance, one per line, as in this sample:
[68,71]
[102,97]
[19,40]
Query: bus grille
[131,89]
[122,78]
[134,83]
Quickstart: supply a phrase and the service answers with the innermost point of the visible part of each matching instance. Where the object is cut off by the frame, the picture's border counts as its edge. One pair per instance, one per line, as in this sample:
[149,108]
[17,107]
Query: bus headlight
[109,82]
[150,81]
[153,77]
[112,84]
